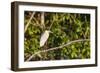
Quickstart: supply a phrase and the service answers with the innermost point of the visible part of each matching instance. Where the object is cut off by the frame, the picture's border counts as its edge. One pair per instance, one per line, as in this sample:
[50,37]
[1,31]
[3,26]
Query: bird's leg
[45,48]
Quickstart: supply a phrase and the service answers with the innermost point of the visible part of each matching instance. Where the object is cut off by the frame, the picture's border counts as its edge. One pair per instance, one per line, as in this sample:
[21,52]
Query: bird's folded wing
[44,38]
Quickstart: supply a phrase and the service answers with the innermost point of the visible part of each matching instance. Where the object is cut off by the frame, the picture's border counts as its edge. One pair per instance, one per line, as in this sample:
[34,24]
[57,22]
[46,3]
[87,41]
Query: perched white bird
[44,37]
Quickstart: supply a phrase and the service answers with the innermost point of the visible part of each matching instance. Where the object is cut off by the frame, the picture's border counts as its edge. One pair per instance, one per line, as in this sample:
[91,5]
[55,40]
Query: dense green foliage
[66,27]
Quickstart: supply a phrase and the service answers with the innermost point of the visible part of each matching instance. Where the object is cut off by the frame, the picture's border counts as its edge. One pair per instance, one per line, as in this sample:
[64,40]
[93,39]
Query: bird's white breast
[44,38]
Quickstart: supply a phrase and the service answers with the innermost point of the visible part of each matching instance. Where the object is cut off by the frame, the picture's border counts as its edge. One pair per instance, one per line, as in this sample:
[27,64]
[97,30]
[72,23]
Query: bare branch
[51,24]
[42,19]
[55,48]
[29,22]
[37,23]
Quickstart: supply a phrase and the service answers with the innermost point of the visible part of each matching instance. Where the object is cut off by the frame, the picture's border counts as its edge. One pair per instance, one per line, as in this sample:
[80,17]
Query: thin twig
[29,22]
[51,25]
[55,48]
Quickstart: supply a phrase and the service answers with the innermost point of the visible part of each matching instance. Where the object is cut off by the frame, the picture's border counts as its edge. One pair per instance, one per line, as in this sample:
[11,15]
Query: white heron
[44,37]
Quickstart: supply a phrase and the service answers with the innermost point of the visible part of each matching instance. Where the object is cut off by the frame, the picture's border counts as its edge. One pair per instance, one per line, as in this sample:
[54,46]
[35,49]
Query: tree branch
[29,22]
[55,48]
[42,19]
[51,24]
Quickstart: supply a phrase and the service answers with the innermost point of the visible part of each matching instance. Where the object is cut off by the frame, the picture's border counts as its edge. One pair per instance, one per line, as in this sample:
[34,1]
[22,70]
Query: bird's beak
[51,32]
